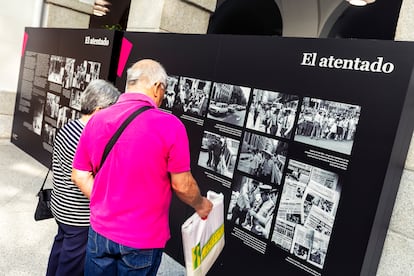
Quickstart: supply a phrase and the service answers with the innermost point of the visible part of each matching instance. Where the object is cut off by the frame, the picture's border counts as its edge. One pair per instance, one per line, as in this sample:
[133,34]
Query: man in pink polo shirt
[130,195]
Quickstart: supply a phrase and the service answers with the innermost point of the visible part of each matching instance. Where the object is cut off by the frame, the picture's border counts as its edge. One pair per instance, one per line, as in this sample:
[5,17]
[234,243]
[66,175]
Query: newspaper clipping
[306,212]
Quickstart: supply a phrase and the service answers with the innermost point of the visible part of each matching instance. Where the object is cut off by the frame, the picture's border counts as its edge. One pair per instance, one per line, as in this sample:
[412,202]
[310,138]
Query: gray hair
[148,72]
[98,94]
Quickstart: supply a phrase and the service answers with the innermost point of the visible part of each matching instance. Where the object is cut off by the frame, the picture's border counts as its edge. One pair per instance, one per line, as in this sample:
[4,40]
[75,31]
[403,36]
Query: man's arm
[84,180]
[186,188]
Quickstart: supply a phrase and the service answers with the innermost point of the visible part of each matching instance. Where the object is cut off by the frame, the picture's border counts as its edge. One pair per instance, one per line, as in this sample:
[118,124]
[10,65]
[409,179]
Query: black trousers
[67,256]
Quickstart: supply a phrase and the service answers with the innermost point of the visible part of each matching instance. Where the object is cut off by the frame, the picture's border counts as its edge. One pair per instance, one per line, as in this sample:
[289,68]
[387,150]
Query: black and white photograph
[68,73]
[52,105]
[263,158]
[301,247]
[218,153]
[328,124]
[66,115]
[56,69]
[38,105]
[48,133]
[228,103]
[318,250]
[189,95]
[252,205]
[307,211]
[171,93]
[272,113]
[74,101]
[79,78]
[93,70]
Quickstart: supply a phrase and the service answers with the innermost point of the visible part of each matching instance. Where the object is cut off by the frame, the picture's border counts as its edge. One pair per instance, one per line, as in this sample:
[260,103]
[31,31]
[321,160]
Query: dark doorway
[246,17]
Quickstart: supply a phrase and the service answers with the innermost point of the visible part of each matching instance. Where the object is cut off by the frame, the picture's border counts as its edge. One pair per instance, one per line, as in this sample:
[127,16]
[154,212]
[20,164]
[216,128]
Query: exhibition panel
[306,138]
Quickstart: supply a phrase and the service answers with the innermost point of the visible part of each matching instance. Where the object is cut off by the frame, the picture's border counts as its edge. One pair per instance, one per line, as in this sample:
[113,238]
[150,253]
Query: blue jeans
[105,257]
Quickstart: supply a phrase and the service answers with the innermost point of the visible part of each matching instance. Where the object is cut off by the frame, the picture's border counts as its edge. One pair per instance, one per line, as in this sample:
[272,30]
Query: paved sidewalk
[25,243]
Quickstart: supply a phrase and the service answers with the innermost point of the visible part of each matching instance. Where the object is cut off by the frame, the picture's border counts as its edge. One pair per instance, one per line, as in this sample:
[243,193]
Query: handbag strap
[118,133]
[44,181]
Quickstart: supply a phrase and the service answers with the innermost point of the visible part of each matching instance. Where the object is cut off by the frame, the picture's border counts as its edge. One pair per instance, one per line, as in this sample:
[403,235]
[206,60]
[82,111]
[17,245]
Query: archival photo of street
[307,211]
[218,153]
[252,205]
[228,103]
[327,124]
[272,113]
[186,95]
[263,158]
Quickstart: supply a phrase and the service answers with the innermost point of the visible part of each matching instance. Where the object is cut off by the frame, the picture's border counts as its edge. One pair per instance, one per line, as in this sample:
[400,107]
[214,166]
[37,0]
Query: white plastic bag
[203,240]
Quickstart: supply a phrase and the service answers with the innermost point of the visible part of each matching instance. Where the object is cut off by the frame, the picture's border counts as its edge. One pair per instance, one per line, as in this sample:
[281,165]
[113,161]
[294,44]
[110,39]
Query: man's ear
[158,89]
[157,93]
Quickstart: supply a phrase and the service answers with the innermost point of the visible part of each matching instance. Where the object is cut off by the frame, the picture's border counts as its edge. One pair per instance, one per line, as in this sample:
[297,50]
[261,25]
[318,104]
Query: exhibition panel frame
[306,138]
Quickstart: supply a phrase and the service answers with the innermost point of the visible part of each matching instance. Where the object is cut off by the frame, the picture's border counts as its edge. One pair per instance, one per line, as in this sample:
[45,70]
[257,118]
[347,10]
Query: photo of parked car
[228,103]
[218,109]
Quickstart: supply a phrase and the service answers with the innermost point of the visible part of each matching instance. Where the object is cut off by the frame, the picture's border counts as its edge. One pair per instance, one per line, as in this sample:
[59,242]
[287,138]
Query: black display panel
[56,66]
[306,138]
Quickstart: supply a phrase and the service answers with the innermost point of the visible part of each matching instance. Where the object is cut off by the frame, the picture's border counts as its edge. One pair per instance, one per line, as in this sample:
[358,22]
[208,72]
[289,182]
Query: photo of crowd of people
[228,103]
[307,211]
[272,113]
[218,153]
[252,205]
[262,158]
[186,95]
[327,124]
[65,71]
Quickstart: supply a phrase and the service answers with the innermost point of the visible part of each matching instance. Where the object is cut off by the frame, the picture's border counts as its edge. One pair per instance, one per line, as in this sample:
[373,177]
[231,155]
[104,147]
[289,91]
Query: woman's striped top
[68,204]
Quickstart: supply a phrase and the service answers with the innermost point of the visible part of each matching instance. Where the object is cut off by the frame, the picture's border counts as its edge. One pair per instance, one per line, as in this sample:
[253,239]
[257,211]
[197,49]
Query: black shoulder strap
[44,180]
[118,133]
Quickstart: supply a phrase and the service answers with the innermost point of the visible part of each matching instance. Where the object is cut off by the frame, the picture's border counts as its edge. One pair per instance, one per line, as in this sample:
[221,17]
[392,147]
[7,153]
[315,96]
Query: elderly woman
[69,206]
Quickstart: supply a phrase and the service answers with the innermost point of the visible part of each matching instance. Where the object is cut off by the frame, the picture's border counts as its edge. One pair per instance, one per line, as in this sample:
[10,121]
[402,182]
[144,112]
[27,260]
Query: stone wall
[7,100]
[174,16]
[66,14]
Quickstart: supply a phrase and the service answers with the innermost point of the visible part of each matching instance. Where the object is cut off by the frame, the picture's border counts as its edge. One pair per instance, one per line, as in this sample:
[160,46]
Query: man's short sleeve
[179,155]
